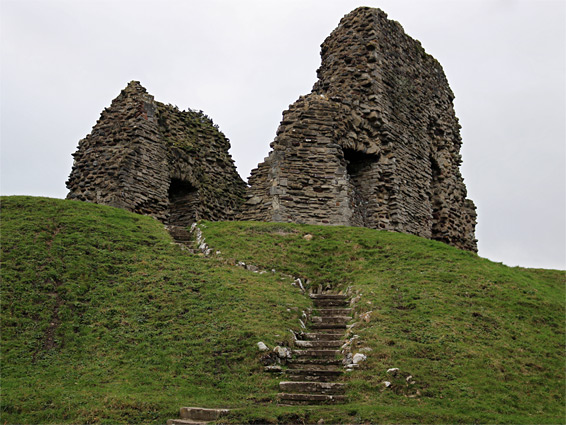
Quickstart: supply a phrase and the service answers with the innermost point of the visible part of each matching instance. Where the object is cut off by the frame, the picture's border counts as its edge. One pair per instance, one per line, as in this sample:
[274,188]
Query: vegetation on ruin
[104,320]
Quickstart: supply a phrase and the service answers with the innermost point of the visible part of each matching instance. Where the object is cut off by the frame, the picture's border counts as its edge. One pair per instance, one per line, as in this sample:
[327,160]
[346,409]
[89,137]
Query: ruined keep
[153,159]
[375,144]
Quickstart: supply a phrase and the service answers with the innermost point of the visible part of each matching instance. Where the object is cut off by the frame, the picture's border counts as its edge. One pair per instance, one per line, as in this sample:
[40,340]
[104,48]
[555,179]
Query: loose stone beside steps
[316,362]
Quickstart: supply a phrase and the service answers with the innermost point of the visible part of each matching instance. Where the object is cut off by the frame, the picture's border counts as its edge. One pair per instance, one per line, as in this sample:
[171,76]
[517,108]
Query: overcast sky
[243,62]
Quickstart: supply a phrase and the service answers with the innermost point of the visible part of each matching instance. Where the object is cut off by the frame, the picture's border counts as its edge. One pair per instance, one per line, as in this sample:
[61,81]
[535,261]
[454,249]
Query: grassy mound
[483,342]
[105,321]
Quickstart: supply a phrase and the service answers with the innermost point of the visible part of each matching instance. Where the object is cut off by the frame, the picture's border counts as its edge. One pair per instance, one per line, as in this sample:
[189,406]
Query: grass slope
[105,321]
[483,342]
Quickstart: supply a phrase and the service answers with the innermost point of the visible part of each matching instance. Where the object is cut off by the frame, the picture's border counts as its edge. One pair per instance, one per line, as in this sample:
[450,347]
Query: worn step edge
[330,319]
[307,360]
[186,422]
[315,353]
[312,398]
[202,414]
[328,296]
[338,311]
[320,336]
[329,304]
[311,378]
[328,325]
[319,344]
[312,387]
[313,366]
[315,372]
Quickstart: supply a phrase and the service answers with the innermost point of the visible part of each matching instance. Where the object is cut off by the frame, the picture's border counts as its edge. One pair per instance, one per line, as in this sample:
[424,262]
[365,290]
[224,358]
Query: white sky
[243,62]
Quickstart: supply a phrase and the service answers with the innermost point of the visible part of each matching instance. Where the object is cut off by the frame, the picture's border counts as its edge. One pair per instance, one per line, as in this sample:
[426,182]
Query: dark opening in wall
[183,203]
[360,168]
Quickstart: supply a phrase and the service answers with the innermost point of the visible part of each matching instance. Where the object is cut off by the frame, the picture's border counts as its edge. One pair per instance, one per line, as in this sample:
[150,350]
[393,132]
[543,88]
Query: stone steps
[334,311]
[301,399]
[320,336]
[185,422]
[316,353]
[330,319]
[198,416]
[316,375]
[301,362]
[328,326]
[181,235]
[312,387]
[316,360]
[324,344]
[311,365]
[324,304]
[327,296]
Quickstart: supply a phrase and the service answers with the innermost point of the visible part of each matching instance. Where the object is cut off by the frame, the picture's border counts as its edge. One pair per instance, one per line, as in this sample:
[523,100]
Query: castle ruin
[375,144]
[153,159]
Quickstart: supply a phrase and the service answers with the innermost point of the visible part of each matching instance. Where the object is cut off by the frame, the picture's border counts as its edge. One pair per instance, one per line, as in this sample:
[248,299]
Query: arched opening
[360,168]
[183,203]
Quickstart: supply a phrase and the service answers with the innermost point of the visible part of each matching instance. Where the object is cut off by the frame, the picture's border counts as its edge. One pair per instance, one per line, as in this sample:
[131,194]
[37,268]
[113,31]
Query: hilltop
[105,320]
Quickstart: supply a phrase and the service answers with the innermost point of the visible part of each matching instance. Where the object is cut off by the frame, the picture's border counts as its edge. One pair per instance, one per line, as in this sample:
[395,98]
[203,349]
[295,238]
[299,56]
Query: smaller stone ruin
[153,159]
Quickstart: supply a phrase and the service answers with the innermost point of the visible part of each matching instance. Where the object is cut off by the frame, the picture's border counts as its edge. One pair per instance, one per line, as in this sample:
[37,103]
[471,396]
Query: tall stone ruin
[151,158]
[375,144]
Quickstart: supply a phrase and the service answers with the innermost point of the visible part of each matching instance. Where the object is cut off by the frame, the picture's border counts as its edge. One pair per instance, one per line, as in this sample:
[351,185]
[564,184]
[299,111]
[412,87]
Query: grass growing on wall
[105,321]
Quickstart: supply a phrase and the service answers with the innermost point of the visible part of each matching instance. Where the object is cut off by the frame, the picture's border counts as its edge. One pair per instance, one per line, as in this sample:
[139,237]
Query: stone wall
[154,159]
[375,144]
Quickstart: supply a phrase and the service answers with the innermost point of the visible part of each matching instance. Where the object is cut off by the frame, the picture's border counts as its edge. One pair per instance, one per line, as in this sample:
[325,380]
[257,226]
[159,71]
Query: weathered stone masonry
[375,144]
[153,159]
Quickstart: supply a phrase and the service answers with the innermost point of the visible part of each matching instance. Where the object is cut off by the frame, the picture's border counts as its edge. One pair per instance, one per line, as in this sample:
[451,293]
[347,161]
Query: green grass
[105,321]
[484,342]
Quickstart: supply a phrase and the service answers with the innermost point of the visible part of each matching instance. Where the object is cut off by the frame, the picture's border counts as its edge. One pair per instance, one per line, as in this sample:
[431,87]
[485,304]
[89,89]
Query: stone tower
[154,159]
[375,144]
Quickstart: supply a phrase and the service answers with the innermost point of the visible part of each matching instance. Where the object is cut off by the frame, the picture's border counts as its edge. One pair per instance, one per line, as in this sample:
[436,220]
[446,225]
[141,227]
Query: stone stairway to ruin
[316,362]
[181,235]
[315,366]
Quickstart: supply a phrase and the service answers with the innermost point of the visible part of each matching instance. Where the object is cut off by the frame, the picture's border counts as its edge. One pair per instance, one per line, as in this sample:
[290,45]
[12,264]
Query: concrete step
[312,387]
[318,344]
[298,399]
[315,353]
[330,319]
[202,414]
[320,336]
